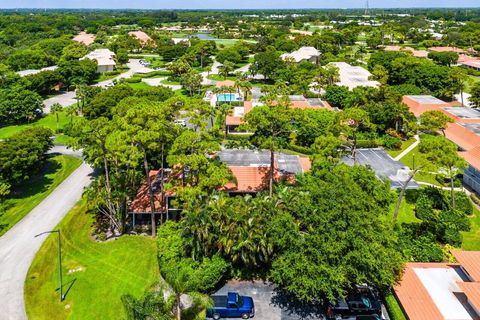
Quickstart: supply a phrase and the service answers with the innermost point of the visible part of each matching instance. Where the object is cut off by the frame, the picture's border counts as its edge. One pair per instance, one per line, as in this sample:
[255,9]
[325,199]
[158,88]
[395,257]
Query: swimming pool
[228,97]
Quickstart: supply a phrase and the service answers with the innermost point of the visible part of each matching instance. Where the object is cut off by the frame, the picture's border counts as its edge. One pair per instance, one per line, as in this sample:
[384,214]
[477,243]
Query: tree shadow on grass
[292,308]
[39,182]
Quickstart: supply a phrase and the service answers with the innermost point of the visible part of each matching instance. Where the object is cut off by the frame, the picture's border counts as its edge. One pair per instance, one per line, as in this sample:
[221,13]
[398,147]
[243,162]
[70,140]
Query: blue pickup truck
[232,305]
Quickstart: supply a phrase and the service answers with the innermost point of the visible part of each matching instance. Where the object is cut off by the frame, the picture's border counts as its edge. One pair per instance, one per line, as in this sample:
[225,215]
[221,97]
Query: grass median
[30,193]
[95,275]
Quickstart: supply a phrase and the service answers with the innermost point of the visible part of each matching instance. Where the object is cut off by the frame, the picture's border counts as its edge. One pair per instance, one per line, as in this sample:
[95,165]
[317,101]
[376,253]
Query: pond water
[203,36]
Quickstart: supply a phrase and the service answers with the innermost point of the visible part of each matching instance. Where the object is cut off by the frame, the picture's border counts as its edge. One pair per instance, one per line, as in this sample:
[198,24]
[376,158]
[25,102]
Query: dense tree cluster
[22,155]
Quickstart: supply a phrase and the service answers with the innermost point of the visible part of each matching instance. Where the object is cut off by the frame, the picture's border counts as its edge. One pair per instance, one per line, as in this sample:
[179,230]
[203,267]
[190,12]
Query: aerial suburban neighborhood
[270,160]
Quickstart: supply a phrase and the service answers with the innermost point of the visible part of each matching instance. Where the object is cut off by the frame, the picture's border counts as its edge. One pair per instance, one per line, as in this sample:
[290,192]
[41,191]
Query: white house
[353,76]
[105,59]
[303,54]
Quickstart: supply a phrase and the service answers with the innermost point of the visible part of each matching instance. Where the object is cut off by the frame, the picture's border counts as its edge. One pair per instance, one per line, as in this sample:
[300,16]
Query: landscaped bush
[133,80]
[390,142]
[393,307]
[368,143]
[299,149]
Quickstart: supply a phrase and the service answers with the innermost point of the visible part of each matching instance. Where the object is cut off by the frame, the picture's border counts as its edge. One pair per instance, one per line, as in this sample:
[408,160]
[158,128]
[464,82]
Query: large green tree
[334,235]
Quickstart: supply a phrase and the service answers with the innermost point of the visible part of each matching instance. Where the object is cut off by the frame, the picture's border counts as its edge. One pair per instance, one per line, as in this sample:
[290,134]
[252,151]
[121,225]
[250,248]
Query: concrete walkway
[213,70]
[19,246]
[410,148]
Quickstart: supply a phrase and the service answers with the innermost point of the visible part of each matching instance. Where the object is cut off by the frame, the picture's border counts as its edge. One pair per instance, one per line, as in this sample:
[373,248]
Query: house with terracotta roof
[415,53]
[442,291]
[422,103]
[250,170]
[85,38]
[235,119]
[464,131]
[140,36]
[446,49]
[469,61]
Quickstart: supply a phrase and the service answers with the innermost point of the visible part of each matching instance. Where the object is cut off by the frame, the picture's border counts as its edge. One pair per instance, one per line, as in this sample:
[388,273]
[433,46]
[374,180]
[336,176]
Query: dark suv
[363,300]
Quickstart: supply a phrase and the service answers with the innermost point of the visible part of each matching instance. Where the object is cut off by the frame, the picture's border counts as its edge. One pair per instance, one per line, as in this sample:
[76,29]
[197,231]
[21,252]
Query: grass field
[405,145]
[471,239]
[406,213]
[470,82]
[218,77]
[408,160]
[30,193]
[96,275]
[48,121]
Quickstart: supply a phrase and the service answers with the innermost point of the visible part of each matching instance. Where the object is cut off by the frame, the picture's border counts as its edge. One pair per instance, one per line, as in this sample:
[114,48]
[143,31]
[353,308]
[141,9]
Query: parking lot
[270,304]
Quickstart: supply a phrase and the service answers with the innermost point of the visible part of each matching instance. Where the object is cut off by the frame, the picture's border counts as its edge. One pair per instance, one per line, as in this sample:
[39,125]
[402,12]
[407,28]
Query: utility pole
[59,259]
[367,8]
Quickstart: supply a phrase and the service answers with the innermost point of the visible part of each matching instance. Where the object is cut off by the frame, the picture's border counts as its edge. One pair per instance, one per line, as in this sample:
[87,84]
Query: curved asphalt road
[18,246]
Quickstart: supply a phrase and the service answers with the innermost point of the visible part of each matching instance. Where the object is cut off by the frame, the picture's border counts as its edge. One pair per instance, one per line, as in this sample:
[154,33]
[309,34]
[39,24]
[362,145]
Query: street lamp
[59,259]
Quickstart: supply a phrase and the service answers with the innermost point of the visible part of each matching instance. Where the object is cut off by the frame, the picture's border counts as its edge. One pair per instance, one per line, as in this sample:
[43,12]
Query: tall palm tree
[56,108]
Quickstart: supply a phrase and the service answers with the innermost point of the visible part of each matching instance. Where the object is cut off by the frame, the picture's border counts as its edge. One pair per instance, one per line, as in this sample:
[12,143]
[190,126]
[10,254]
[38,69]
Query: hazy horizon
[234,4]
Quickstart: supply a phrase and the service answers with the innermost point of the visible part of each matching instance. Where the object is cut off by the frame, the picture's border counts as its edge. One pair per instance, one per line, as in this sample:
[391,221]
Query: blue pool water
[227,97]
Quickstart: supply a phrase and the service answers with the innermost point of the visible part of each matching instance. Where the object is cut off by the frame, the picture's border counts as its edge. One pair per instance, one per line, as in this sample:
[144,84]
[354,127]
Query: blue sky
[233,4]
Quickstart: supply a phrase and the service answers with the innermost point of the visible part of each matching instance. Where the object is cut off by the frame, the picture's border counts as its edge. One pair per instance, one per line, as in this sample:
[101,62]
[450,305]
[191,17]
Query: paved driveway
[271,304]
[65,99]
[18,246]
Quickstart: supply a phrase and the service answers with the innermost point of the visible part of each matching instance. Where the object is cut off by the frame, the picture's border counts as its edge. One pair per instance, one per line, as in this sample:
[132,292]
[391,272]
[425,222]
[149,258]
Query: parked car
[232,305]
[363,300]
[181,122]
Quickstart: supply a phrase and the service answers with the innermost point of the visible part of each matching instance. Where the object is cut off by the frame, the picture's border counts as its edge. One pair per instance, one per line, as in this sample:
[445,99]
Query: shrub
[423,208]
[133,80]
[391,142]
[393,307]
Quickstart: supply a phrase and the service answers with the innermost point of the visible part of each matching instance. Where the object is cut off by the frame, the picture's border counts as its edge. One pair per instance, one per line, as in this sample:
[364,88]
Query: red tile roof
[461,136]
[225,83]
[248,179]
[413,296]
[472,157]
[472,291]
[470,262]
[446,49]
[140,35]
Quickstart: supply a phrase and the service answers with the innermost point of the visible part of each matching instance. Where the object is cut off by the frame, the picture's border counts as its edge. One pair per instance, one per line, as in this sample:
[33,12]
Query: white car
[181,122]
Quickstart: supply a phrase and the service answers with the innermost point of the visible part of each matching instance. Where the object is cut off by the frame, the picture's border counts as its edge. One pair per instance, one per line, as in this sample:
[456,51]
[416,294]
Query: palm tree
[179,278]
[226,68]
[152,306]
[56,108]
[246,87]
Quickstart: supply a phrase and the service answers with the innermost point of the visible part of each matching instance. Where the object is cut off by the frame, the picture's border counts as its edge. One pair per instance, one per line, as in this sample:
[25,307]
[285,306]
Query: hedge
[393,307]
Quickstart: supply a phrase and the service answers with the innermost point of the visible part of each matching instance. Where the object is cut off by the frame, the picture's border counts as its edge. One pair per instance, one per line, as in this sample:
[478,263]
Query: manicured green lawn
[230,42]
[96,275]
[471,239]
[218,77]
[406,214]
[30,193]
[408,160]
[470,82]
[62,139]
[405,145]
[166,81]
[48,121]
